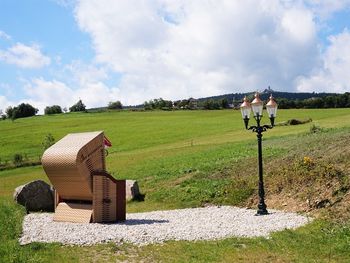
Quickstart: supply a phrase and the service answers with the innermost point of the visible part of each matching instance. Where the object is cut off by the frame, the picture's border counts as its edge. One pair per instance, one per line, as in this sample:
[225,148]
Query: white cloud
[24,56]
[5,36]
[5,103]
[333,76]
[49,92]
[299,25]
[178,49]
[42,93]
[83,74]
[200,48]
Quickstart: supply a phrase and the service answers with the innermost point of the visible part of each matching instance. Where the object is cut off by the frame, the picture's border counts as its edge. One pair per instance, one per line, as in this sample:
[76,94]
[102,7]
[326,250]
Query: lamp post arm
[260,128]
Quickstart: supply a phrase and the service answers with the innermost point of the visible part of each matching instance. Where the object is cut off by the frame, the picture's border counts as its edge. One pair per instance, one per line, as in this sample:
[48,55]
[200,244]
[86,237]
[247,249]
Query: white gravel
[156,227]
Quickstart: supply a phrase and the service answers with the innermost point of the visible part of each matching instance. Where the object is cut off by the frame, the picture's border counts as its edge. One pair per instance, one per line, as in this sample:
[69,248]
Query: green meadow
[194,158]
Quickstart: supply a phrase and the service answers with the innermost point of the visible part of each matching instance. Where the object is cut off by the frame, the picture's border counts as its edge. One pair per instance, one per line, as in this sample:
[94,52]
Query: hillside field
[194,158]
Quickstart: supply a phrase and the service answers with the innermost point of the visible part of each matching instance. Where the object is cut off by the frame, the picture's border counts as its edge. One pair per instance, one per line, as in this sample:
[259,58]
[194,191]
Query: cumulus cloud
[42,93]
[24,56]
[82,74]
[178,49]
[200,48]
[333,76]
[4,103]
[299,25]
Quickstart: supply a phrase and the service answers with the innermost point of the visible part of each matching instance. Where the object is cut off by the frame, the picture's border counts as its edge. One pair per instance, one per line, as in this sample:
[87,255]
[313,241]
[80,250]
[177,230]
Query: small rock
[35,196]
[322,203]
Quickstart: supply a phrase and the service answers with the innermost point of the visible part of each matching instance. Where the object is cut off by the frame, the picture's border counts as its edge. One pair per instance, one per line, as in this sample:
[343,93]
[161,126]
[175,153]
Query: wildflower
[308,161]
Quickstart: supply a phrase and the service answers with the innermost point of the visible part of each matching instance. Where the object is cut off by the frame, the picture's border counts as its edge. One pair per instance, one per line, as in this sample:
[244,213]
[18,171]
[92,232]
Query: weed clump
[18,160]
[48,141]
[315,129]
[294,122]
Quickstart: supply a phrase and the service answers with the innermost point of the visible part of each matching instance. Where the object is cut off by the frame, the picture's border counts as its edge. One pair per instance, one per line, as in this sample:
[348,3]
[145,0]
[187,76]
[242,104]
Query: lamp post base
[261,210]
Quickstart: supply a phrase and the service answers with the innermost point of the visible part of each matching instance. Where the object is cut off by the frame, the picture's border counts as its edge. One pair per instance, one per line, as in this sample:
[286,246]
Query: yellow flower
[308,161]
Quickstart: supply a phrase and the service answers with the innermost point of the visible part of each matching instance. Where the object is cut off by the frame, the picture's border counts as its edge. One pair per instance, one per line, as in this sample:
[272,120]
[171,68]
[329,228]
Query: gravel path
[156,227]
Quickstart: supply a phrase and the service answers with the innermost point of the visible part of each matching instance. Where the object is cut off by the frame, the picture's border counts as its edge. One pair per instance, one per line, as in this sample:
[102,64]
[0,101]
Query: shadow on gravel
[132,222]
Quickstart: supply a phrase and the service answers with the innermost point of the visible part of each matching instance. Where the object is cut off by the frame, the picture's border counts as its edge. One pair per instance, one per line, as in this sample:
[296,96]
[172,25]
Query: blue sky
[59,51]
[50,26]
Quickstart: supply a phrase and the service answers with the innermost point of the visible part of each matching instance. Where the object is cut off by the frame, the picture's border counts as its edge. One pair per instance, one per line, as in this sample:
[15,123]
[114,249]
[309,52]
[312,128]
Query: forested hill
[232,97]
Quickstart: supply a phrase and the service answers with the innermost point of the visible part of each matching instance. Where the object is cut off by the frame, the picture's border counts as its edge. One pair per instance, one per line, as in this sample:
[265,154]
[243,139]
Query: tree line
[222,102]
[24,110]
[214,103]
[186,104]
[331,101]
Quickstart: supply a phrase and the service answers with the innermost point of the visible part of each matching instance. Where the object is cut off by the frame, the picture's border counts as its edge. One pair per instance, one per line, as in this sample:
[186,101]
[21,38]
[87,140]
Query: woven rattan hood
[70,162]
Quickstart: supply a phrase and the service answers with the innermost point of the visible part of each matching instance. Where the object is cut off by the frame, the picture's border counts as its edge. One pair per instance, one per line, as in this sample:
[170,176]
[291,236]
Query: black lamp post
[257,107]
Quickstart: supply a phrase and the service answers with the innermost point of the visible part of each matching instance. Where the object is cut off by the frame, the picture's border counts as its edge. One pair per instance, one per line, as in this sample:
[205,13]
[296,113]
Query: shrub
[294,122]
[297,122]
[315,129]
[48,141]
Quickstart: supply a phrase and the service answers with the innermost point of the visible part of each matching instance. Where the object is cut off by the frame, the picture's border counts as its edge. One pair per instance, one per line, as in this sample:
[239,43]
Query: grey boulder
[132,190]
[35,196]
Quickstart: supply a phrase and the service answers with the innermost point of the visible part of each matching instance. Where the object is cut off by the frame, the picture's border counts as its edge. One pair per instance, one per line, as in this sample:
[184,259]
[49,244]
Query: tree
[79,106]
[21,111]
[55,109]
[117,105]
[224,103]
[211,105]
[2,115]
[158,104]
[9,112]
[147,106]
[192,104]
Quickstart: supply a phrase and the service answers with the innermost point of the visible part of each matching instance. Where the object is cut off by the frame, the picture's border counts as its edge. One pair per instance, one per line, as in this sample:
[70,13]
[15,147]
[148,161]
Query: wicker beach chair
[84,191]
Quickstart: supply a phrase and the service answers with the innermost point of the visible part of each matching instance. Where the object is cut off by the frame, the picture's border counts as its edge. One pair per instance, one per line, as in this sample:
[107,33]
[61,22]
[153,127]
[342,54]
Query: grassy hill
[192,158]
